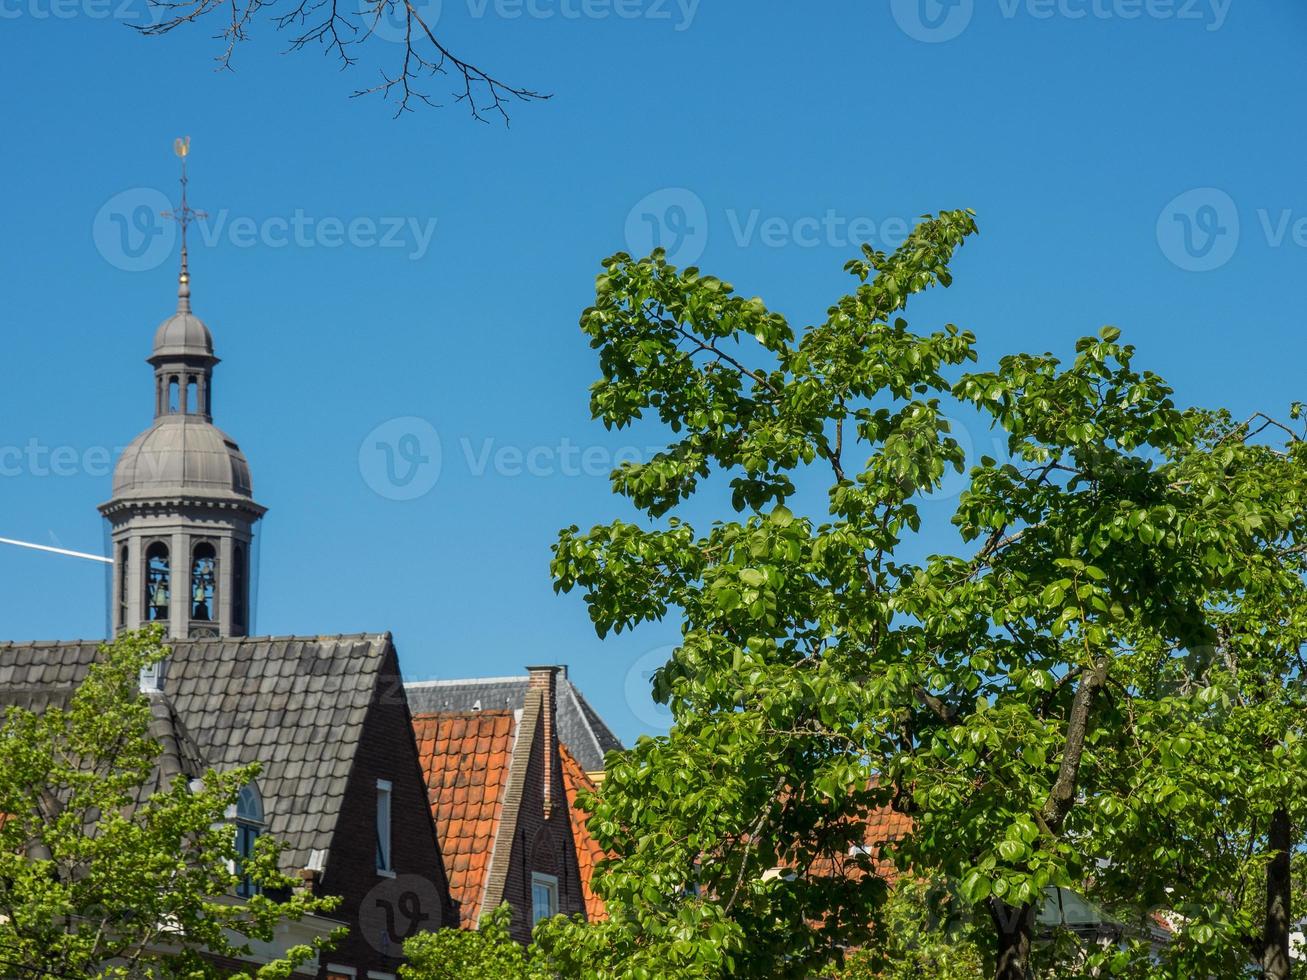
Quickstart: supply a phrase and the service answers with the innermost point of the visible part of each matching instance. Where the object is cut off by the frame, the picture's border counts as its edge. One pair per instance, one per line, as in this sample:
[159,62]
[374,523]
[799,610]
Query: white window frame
[551,883]
[385,840]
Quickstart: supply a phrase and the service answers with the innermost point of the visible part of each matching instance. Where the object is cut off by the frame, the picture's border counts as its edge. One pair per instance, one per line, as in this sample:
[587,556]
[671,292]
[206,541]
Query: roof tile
[466,760]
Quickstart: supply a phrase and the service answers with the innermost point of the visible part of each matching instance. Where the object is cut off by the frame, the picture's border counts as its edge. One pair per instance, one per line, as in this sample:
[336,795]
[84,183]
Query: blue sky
[1133,162]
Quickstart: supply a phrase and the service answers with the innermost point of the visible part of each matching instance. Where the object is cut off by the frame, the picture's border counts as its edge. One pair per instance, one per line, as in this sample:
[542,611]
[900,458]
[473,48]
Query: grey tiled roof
[294,704]
[179,755]
[580,728]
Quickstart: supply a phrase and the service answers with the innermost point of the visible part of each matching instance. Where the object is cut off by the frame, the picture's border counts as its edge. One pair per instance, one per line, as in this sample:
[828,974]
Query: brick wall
[380,911]
[543,843]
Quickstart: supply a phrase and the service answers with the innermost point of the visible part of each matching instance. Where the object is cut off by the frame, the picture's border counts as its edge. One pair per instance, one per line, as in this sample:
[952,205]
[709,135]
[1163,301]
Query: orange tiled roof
[588,851]
[466,758]
[881,828]
[884,827]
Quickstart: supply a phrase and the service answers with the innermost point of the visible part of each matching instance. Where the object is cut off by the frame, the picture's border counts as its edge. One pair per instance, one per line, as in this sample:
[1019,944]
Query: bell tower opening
[124,587]
[158,583]
[204,579]
[239,580]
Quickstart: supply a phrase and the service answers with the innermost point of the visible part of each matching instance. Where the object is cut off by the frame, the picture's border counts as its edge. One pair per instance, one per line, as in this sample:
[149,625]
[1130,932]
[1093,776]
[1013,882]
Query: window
[192,396]
[174,391]
[384,865]
[249,823]
[158,582]
[335,972]
[544,897]
[123,587]
[238,588]
[204,579]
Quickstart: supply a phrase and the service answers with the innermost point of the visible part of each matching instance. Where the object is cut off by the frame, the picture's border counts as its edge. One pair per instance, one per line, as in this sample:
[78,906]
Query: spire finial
[184,215]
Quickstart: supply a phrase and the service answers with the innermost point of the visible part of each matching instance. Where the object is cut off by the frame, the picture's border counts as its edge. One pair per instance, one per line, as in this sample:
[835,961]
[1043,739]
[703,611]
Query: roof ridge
[30,644]
[485,713]
[450,682]
[172,641]
[300,637]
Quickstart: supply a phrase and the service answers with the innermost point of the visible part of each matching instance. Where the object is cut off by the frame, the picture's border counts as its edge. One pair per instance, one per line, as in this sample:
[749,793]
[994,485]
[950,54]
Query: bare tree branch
[342,31]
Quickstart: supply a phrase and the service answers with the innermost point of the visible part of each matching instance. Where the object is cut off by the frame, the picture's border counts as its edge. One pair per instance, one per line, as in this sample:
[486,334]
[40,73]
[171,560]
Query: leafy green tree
[105,874]
[782,719]
[822,673]
[488,953]
[562,948]
[923,934]
[1215,805]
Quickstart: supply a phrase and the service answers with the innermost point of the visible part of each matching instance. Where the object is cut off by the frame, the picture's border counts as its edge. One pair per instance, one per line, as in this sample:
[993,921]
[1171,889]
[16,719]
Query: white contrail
[56,551]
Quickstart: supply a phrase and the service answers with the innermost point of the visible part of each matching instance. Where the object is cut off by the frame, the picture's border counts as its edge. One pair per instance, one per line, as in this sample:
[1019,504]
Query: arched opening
[174,392]
[238,593]
[192,395]
[204,583]
[249,824]
[123,586]
[158,583]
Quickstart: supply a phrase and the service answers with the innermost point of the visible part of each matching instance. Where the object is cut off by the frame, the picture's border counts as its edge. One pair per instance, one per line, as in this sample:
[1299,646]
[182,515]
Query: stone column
[179,582]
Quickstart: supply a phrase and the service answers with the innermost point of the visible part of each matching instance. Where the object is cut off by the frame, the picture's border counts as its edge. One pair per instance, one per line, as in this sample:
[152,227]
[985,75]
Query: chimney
[545,680]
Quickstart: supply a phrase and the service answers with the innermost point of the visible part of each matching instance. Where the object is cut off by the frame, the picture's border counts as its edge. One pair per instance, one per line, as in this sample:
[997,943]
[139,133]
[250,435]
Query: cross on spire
[184,215]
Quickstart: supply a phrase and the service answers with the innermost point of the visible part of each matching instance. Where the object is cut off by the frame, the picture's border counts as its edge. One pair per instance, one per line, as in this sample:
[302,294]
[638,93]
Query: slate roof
[579,726]
[294,704]
[178,755]
[588,851]
[466,758]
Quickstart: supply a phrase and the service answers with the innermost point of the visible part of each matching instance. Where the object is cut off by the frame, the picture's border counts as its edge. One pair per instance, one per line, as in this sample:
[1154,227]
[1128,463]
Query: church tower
[182,514]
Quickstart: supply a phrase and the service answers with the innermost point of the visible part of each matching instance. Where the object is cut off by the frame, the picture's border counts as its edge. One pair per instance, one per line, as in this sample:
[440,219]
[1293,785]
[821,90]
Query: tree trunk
[1279,888]
[1013,926]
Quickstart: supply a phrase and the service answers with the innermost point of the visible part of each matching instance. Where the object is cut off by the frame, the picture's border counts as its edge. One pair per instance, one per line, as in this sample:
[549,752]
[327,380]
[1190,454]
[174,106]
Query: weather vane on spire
[184,215]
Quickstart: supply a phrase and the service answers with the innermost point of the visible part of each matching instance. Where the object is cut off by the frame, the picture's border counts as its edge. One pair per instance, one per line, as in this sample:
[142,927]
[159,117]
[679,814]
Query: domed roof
[183,334]
[182,454]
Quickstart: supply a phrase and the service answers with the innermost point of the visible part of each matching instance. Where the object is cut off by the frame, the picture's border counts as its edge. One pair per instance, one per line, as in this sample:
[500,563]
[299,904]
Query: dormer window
[249,824]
